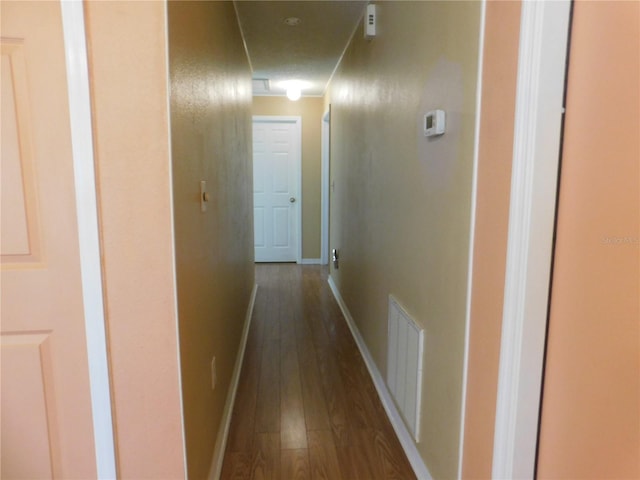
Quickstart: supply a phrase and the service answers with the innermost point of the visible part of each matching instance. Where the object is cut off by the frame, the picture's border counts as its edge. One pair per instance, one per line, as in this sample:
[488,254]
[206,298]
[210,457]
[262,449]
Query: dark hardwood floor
[306,407]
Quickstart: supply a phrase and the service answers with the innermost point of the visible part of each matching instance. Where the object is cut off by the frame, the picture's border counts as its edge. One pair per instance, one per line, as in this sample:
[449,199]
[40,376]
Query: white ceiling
[308,51]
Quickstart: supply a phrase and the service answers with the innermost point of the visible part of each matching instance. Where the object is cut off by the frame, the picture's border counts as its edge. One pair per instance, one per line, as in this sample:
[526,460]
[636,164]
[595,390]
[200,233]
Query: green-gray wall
[400,211]
[211,141]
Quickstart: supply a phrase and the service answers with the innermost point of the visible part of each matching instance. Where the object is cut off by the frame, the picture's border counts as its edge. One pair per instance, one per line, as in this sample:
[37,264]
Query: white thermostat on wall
[434,123]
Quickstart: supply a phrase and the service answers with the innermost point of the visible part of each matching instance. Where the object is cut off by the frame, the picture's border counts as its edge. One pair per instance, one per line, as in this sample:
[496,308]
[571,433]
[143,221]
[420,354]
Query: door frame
[537,140]
[80,119]
[324,186]
[297,122]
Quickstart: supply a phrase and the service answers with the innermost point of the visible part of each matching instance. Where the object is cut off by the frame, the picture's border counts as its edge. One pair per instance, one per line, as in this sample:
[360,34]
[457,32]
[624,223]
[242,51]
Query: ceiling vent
[261,86]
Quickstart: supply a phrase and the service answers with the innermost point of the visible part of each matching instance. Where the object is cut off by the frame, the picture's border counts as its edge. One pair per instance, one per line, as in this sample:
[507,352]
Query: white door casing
[276,188]
[88,234]
[544,29]
[324,188]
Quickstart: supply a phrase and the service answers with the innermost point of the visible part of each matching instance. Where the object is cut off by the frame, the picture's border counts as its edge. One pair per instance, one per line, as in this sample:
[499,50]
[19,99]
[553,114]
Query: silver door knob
[292,199]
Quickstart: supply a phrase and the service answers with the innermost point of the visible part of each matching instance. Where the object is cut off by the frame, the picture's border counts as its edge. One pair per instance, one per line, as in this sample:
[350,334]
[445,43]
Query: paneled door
[276,188]
[590,420]
[46,418]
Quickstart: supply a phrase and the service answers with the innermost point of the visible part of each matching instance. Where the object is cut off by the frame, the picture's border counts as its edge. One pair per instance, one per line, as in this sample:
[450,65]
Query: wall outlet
[213,373]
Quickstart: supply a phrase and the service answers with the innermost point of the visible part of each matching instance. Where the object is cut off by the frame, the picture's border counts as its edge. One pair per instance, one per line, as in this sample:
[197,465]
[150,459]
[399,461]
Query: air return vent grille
[261,85]
[404,365]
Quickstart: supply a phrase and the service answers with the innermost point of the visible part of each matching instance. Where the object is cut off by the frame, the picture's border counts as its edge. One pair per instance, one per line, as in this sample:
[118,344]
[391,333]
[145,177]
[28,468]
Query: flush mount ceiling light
[292,21]
[294,93]
[294,88]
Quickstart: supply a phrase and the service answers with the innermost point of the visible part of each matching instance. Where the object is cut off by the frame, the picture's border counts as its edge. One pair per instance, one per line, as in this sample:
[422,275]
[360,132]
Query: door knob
[292,199]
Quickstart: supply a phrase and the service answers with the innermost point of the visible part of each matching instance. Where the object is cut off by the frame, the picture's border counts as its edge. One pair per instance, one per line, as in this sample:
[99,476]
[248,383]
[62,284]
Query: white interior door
[46,408]
[276,188]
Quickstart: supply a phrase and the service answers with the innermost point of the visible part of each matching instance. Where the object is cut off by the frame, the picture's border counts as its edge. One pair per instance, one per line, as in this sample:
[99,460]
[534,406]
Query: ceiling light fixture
[292,21]
[294,88]
[294,93]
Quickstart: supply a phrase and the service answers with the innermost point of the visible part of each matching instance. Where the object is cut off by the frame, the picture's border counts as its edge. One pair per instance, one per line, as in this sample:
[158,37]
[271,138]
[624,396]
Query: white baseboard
[409,447]
[311,261]
[223,433]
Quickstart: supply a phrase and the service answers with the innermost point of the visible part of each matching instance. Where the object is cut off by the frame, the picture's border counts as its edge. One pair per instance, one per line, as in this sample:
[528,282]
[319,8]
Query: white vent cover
[261,85]
[404,365]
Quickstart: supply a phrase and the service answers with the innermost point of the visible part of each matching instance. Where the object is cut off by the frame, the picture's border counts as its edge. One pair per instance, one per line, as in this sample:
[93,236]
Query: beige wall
[500,62]
[210,135]
[400,212]
[591,405]
[311,110]
[127,65]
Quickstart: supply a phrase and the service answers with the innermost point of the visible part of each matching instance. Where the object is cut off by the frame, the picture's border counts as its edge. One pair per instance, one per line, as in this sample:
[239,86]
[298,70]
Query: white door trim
[174,277]
[297,121]
[89,242]
[324,189]
[472,231]
[539,107]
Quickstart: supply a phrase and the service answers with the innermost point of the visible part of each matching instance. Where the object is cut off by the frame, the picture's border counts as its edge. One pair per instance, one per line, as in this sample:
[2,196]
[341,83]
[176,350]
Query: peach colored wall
[400,211]
[500,62]
[591,404]
[311,111]
[127,65]
[211,141]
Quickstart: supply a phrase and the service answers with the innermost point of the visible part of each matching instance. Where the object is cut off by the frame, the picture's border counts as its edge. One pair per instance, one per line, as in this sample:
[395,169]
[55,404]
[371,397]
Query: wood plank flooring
[306,407]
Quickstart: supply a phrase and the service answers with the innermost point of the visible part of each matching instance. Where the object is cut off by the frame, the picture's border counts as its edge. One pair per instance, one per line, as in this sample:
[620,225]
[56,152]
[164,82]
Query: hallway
[306,407]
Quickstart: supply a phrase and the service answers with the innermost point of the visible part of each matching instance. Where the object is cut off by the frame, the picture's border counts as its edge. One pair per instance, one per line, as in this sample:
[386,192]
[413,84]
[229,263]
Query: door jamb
[539,110]
[297,121]
[324,188]
[75,47]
